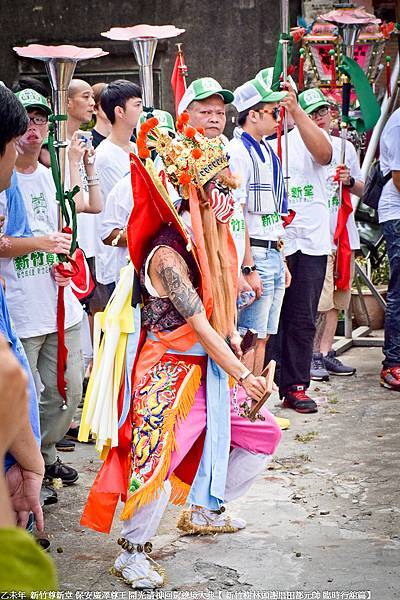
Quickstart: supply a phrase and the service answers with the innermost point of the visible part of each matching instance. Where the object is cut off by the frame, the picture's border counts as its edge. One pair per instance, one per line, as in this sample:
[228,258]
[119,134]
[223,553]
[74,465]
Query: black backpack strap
[387,178]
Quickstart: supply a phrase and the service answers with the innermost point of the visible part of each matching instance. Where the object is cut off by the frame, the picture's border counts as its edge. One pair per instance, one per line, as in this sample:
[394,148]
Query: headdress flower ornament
[190,157]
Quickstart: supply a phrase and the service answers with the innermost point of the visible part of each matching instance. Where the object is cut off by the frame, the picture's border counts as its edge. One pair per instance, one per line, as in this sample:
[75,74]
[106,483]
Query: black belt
[268,244]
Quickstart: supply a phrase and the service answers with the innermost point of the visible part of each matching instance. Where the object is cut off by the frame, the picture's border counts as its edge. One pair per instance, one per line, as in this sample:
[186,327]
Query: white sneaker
[203,521]
[140,573]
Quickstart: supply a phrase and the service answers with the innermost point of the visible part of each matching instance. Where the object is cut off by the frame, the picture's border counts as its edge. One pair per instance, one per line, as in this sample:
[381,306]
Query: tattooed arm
[169,276]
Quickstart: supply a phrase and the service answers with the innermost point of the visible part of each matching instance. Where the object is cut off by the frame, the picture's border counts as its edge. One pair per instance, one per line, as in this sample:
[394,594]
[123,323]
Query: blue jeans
[391,348]
[263,314]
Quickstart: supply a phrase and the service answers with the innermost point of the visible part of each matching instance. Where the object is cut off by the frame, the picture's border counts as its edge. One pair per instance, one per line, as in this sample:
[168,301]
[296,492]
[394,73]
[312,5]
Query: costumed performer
[184,439]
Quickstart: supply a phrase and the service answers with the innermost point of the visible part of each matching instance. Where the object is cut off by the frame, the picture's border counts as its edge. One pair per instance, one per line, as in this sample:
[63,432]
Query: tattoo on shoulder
[176,282]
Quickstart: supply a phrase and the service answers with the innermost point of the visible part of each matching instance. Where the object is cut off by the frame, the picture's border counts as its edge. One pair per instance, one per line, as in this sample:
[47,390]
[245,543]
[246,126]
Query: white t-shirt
[389,202]
[353,164]
[116,213]
[31,291]
[309,230]
[263,227]
[112,164]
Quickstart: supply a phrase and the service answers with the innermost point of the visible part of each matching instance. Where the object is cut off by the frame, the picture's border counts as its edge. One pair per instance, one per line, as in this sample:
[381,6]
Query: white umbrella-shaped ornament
[144,39]
[60,63]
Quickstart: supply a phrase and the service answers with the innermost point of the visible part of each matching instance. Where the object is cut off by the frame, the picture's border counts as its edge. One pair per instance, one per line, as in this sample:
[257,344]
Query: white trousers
[243,468]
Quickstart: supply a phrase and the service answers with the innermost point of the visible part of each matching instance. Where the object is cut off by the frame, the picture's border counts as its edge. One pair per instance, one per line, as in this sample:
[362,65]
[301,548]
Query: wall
[229,39]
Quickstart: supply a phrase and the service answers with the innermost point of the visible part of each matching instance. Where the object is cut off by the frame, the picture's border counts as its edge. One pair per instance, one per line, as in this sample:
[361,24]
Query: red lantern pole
[388,75]
[301,69]
[333,68]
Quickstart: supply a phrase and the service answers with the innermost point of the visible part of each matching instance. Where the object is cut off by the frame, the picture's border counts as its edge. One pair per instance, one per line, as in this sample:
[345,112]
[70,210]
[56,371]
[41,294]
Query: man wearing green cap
[205,100]
[307,245]
[262,195]
[333,300]
[29,268]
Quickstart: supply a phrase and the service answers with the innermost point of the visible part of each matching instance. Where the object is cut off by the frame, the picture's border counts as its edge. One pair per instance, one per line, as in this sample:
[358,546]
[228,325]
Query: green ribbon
[369,105]
[278,66]
[64,198]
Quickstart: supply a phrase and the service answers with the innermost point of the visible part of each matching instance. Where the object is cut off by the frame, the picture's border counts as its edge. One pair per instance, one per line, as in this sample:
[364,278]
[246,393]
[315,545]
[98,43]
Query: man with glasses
[262,195]
[325,362]
[28,265]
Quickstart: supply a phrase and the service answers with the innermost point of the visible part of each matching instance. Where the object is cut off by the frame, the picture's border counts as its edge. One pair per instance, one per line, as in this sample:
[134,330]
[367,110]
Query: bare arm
[122,239]
[77,151]
[94,204]
[254,279]
[313,137]
[13,409]
[7,518]
[169,275]
[344,176]
[396,179]
[358,188]
[57,242]
[26,451]
[24,479]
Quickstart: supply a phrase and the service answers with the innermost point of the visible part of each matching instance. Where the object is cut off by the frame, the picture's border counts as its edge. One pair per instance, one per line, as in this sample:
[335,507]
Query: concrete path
[322,520]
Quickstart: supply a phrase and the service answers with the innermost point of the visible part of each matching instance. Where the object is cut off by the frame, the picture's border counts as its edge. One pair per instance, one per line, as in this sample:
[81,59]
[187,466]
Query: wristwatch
[351,182]
[247,269]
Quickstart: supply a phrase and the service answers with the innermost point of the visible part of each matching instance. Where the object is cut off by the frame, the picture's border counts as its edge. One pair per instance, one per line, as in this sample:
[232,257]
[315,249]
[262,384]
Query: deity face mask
[221,201]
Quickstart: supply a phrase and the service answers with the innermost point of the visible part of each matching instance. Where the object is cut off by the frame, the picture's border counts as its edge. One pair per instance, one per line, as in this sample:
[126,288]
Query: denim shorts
[263,314]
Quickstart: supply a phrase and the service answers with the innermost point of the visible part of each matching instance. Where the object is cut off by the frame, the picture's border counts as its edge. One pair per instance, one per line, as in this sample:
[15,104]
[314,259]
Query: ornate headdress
[189,158]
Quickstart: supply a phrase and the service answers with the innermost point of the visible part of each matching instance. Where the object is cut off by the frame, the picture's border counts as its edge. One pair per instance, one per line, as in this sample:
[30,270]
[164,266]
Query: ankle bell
[130,547]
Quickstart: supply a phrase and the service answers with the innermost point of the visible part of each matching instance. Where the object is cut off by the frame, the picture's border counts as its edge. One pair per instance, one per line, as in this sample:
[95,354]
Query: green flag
[369,105]
[278,66]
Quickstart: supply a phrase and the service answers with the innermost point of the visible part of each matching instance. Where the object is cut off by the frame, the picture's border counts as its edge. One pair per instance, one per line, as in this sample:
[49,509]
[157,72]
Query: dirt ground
[322,521]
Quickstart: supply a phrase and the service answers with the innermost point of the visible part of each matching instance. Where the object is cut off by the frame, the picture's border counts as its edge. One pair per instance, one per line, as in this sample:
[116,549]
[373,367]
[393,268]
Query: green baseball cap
[265,77]
[31,99]
[312,99]
[203,88]
[252,92]
[165,120]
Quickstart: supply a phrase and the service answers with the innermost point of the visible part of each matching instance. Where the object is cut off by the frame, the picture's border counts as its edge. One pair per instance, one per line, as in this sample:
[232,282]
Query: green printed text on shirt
[301,194]
[269,221]
[34,263]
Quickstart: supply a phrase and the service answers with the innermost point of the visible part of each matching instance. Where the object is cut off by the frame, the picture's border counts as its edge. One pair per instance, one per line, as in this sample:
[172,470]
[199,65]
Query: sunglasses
[271,111]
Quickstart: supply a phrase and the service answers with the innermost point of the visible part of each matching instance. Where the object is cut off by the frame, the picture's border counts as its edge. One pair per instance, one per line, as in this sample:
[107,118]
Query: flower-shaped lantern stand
[144,39]
[60,63]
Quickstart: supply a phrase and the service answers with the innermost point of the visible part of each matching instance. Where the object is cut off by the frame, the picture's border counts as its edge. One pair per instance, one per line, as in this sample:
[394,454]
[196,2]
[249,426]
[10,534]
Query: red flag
[178,81]
[341,239]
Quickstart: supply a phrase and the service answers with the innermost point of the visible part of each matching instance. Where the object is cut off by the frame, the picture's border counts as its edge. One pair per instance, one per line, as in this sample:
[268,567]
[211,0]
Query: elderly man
[205,100]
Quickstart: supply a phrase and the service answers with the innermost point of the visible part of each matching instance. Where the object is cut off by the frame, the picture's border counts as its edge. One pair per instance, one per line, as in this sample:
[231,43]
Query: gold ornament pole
[182,67]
